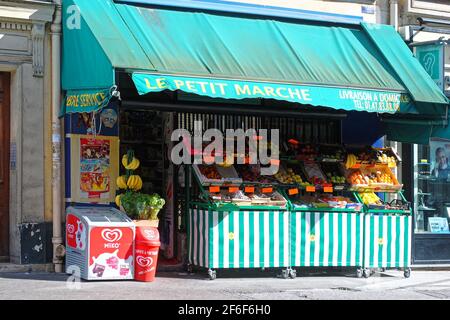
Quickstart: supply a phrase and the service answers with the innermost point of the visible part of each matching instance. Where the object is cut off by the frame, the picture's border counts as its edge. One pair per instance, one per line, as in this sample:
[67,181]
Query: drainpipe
[58,247]
[393,13]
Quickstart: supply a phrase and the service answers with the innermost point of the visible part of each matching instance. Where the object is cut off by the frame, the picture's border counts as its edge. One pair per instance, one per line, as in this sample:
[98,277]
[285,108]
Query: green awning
[363,68]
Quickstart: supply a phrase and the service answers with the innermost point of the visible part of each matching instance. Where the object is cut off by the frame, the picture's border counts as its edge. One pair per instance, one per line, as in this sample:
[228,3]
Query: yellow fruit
[118,200]
[121,182]
[131,182]
[125,160]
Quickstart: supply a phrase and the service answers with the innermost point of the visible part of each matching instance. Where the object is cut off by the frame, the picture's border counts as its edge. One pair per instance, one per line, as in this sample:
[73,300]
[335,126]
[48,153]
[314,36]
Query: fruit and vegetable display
[252,173]
[136,204]
[290,176]
[256,198]
[326,201]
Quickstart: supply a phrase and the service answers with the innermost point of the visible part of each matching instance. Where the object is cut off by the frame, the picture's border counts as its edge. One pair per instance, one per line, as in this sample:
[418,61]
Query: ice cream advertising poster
[111,252]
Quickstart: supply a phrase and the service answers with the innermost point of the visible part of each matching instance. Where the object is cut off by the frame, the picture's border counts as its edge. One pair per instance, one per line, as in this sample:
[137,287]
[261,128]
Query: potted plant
[139,206]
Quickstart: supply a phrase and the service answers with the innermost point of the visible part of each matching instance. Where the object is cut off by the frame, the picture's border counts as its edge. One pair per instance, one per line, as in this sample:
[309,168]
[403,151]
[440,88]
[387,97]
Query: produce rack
[245,233]
[317,214]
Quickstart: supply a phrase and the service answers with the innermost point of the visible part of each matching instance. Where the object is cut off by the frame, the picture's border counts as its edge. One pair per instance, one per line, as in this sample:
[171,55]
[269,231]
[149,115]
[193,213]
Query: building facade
[25,123]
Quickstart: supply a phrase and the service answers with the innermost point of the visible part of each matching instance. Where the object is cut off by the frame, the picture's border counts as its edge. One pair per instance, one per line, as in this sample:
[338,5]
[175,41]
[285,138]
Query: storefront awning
[362,68]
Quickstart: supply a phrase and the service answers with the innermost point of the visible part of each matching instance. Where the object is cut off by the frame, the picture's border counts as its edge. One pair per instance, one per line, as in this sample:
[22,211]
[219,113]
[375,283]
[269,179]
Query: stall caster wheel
[190,268]
[366,273]
[285,273]
[293,274]
[359,273]
[382,269]
[407,273]
[212,274]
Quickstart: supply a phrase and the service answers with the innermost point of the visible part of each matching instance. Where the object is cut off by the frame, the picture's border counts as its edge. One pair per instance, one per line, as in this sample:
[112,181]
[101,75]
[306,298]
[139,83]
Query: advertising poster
[95,175]
[94,169]
[439,154]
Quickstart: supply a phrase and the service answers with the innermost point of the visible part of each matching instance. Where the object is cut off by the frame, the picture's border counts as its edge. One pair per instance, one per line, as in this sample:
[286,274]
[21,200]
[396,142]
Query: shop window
[432,187]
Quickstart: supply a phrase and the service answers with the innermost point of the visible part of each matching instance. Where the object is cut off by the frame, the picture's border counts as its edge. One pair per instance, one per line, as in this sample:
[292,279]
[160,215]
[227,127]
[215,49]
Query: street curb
[24,268]
[431,267]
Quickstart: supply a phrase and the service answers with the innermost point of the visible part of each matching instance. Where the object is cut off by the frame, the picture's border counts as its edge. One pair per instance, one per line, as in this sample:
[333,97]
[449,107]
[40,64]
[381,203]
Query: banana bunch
[118,200]
[370,198]
[130,164]
[351,161]
[122,182]
[134,182]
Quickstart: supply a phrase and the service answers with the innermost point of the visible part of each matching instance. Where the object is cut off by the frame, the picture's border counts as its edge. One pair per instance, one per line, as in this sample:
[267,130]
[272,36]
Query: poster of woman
[439,152]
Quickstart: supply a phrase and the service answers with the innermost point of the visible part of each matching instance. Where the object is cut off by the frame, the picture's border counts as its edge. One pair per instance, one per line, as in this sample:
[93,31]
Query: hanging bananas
[118,200]
[351,161]
[134,182]
[121,182]
[130,165]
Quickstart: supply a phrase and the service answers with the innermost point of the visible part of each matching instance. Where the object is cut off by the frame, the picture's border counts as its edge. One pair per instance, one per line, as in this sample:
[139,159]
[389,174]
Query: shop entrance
[4,165]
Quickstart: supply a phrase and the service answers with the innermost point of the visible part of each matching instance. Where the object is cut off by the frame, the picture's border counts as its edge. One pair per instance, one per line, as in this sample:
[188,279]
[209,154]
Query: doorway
[4,164]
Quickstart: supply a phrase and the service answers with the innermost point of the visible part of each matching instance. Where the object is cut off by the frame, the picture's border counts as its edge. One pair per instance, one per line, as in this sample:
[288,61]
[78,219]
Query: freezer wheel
[190,268]
[407,273]
[285,274]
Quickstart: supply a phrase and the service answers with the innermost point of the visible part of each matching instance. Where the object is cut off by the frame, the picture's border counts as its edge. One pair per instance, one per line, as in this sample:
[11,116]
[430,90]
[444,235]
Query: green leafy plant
[142,206]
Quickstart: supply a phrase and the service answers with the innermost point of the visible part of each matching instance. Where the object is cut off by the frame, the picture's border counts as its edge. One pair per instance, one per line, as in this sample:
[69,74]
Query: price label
[310,189]
[293,191]
[257,138]
[233,189]
[214,189]
[328,189]
[267,190]
[250,189]
[423,161]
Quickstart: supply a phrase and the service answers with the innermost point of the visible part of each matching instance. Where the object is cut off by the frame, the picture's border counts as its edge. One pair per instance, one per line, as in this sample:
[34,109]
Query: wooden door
[4,164]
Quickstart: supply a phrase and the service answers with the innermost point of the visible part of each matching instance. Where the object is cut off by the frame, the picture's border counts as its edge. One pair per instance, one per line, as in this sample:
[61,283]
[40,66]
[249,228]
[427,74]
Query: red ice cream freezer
[100,243]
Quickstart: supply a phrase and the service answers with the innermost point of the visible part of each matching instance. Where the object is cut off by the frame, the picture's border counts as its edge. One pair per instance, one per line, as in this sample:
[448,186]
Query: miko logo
[70,228]
[144,262]
[112,235]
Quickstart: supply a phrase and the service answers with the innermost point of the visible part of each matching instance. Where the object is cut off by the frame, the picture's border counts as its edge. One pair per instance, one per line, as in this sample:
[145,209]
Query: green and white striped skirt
[387,241]
[324,239]
[238,239]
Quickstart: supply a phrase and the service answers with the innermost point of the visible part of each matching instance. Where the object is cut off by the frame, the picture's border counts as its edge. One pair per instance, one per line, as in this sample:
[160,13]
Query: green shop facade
[127,63]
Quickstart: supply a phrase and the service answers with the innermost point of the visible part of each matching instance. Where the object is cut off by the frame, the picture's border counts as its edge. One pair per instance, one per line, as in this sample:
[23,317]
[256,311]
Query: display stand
[228,236]
[387,240]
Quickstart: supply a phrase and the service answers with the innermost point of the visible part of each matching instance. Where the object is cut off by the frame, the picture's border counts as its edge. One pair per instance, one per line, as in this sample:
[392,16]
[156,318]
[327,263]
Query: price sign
[267,190]
[328,189]
[250,189]
[310,189]
[293,191]
[214,189]
[233,189]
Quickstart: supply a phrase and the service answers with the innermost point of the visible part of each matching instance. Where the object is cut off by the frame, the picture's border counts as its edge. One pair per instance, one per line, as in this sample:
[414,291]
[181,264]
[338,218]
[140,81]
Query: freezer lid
[101,215]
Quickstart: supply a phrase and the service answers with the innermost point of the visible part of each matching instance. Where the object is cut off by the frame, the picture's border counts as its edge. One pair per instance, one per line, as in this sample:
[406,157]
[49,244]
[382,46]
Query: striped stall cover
[238,239]
[387,241]
[326,239]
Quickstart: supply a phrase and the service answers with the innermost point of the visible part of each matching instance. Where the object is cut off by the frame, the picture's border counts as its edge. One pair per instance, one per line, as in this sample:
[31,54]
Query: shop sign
[86,101]
[338,98]
[432,59]
[437,224]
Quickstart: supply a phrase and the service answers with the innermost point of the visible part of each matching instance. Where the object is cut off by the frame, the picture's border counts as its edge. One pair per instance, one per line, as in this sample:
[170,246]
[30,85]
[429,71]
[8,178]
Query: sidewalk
[233,285]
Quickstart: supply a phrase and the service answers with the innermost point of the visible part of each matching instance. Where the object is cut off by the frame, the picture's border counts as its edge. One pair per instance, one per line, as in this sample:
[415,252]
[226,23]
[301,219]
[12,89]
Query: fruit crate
[365,184]
[229,175]
[331,153]
[205,181]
